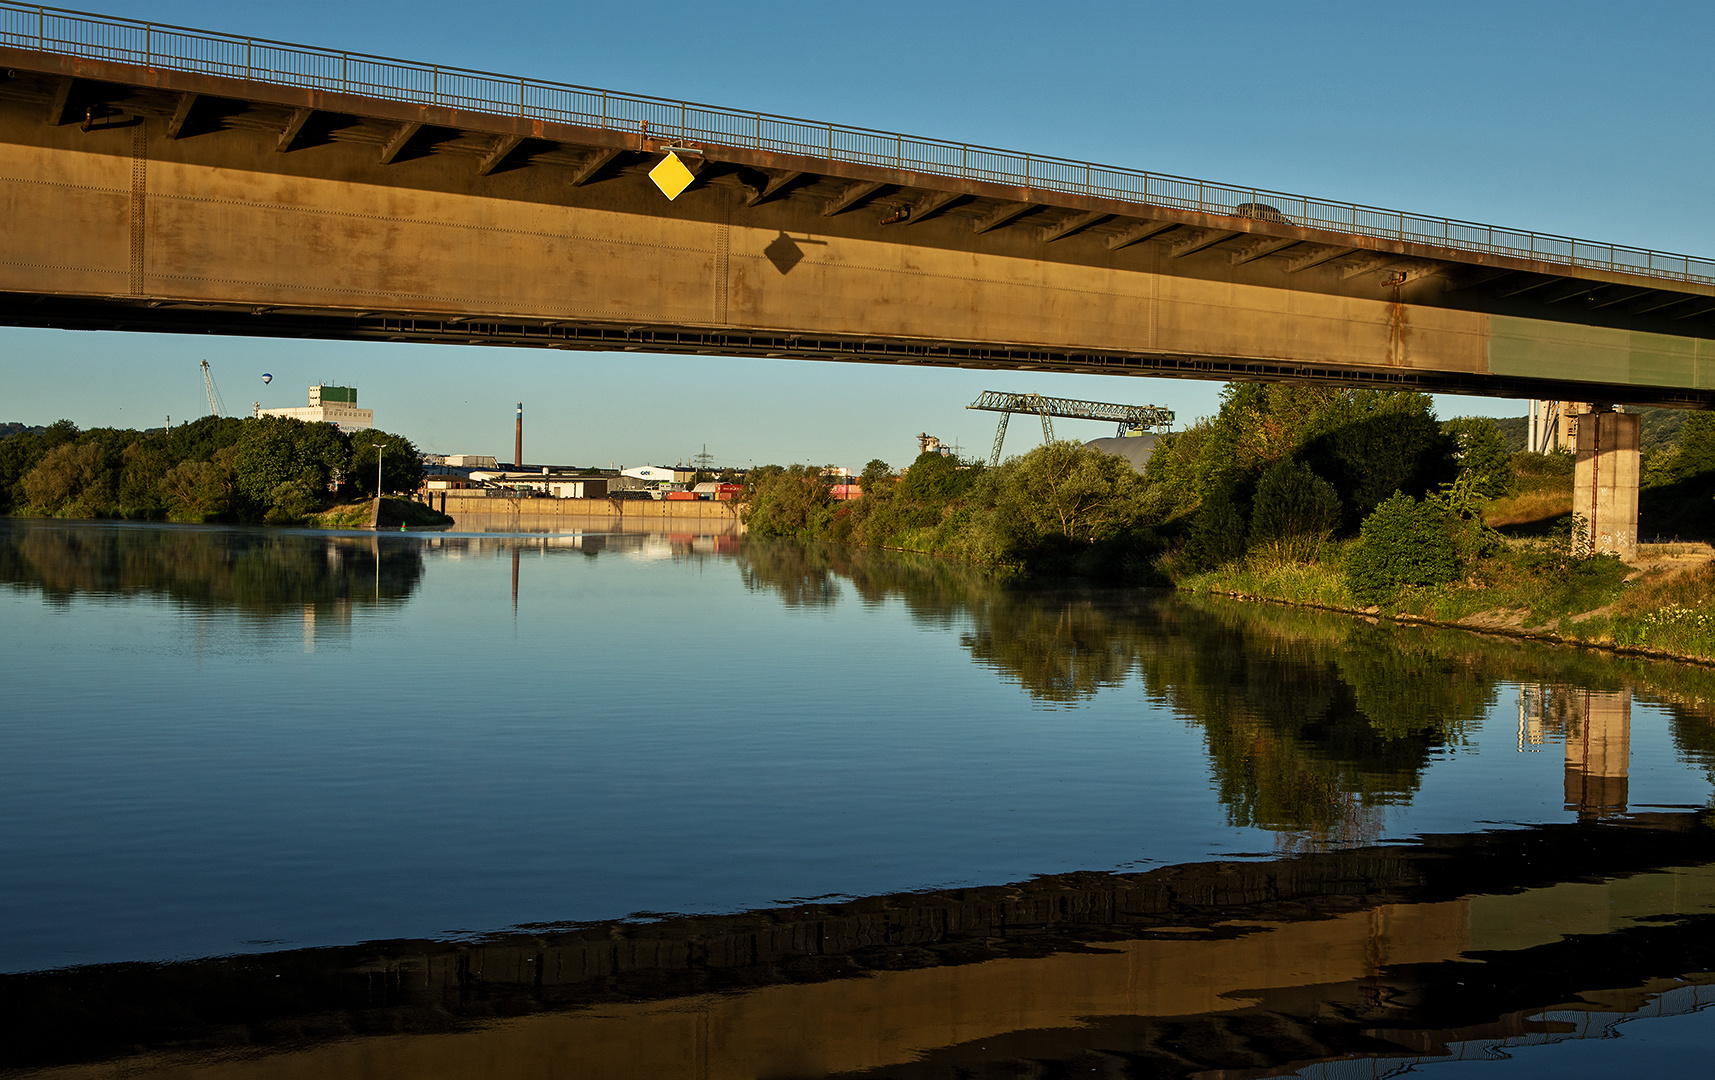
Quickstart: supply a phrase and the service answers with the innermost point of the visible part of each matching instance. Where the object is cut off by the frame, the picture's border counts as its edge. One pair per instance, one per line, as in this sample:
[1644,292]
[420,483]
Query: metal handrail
[156,45]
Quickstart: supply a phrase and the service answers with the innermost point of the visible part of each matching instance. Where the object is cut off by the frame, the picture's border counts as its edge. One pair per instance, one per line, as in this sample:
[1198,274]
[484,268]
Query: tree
[401,464]
[934,478]
[1693,455]
[877,479]
[140,490]
[1365,443]
[1218,530]
[18,455]
[1482,455]
[276,450]
[1296,511]
[1391,443]
[196,489]
[70,478]
[792,503]
[1070,490]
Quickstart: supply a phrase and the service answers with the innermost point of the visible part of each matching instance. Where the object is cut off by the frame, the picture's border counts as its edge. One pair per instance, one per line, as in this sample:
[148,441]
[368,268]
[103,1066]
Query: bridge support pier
[1605,480]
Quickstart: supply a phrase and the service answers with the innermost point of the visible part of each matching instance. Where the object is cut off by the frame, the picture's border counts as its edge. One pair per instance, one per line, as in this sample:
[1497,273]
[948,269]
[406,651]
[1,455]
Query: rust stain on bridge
[147,185]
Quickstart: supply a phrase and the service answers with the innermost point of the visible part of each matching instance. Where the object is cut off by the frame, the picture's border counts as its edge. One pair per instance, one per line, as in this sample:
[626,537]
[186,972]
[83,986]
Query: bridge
[159,178]
[167,179]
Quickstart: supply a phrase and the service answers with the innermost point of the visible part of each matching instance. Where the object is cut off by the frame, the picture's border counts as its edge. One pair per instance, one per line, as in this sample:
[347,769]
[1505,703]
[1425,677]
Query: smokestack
[518,439]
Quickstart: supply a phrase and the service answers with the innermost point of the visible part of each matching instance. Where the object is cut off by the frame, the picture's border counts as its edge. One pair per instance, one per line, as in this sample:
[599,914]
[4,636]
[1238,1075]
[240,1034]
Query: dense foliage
[1060,509]
[1679,483]
[274,469]
[1279,473]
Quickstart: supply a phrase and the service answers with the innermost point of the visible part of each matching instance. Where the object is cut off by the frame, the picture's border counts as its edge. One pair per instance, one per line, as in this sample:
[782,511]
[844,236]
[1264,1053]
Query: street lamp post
[378,452]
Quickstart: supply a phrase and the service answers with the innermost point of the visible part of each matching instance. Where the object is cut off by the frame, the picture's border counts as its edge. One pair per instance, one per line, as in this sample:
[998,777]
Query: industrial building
[558,484]
[335,405]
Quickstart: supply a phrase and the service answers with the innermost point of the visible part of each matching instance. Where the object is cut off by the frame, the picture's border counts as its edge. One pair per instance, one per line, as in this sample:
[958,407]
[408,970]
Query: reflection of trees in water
[1315,722]
[934,591]
[1061,648]
[252,571]
[1312,725]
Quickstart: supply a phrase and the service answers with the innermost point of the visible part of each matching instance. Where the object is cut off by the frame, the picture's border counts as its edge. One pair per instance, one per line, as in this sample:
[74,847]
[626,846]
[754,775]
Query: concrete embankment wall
[487,514]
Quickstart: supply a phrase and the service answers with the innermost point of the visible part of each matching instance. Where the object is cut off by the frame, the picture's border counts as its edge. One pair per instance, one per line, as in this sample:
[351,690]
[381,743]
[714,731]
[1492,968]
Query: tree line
[273,469]
[1367,483]
[1280,468]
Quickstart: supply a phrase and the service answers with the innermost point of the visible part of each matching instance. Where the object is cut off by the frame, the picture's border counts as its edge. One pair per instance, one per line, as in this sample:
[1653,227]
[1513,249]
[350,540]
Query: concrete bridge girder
[530,231]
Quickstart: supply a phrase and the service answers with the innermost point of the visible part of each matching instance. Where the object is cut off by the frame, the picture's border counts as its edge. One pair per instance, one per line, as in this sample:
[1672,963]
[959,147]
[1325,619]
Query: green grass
[1541,589]
[1319,582]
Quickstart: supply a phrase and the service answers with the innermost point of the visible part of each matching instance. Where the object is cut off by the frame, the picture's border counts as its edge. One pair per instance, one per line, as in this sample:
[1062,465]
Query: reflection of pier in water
[1169,972]
[1596,729]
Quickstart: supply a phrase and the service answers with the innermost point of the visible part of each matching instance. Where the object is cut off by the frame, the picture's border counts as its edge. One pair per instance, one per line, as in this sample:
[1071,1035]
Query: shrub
[1404,544]
[292,502]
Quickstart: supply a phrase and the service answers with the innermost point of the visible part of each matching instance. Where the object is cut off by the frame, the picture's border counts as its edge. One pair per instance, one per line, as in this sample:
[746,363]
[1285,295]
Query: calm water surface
[588,781]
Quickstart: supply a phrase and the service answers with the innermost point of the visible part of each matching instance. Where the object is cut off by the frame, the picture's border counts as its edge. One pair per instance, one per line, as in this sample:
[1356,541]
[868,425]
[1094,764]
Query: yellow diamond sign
[671,176]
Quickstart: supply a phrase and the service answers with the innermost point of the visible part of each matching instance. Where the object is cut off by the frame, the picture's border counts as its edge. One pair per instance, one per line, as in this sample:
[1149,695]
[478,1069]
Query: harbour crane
[214,408]
[1132,419]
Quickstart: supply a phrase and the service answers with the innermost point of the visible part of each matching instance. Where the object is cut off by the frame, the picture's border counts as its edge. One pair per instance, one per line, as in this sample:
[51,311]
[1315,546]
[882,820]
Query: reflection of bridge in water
[1170,972]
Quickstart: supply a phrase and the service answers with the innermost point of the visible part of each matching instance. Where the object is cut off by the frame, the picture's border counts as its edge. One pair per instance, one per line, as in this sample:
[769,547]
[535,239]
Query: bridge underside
[137,199]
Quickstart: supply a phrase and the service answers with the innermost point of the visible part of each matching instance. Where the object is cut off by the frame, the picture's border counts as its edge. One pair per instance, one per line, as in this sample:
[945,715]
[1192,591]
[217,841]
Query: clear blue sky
[1575,118]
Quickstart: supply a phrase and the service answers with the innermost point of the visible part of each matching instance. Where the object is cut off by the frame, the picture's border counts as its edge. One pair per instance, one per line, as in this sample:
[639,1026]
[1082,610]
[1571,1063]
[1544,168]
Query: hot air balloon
[266,378]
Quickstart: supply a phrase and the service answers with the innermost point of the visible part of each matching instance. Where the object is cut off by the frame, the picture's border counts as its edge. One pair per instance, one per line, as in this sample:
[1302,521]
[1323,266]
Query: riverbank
[1661,604]
[391,514]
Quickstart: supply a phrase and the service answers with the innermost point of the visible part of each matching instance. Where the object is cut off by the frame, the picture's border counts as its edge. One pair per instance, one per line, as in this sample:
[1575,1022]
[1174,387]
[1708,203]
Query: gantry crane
[1132,419]
[214,408]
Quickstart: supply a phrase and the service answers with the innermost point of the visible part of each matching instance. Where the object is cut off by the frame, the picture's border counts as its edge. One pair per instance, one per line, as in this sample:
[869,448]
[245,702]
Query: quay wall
[487,513]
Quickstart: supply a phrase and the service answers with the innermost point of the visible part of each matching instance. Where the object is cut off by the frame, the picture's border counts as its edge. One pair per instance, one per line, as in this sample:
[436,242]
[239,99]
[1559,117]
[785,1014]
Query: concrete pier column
[1605,481]
[1598,753]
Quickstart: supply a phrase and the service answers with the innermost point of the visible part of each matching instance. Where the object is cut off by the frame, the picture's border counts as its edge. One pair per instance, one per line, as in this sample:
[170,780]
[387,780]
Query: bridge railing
[73,33]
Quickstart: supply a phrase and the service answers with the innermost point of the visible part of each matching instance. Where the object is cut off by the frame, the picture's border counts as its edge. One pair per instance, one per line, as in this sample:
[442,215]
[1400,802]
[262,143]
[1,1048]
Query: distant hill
[1658,429]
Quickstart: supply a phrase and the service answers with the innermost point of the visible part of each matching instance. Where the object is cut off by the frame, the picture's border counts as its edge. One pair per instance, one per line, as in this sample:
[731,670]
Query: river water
[278,803]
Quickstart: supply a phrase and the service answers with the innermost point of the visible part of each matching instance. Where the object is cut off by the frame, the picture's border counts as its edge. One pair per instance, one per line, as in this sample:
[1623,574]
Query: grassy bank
[1662,603]
[394,514]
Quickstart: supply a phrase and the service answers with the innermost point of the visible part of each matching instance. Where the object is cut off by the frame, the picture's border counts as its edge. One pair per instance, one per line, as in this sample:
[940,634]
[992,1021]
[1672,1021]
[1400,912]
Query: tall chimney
[518,439]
